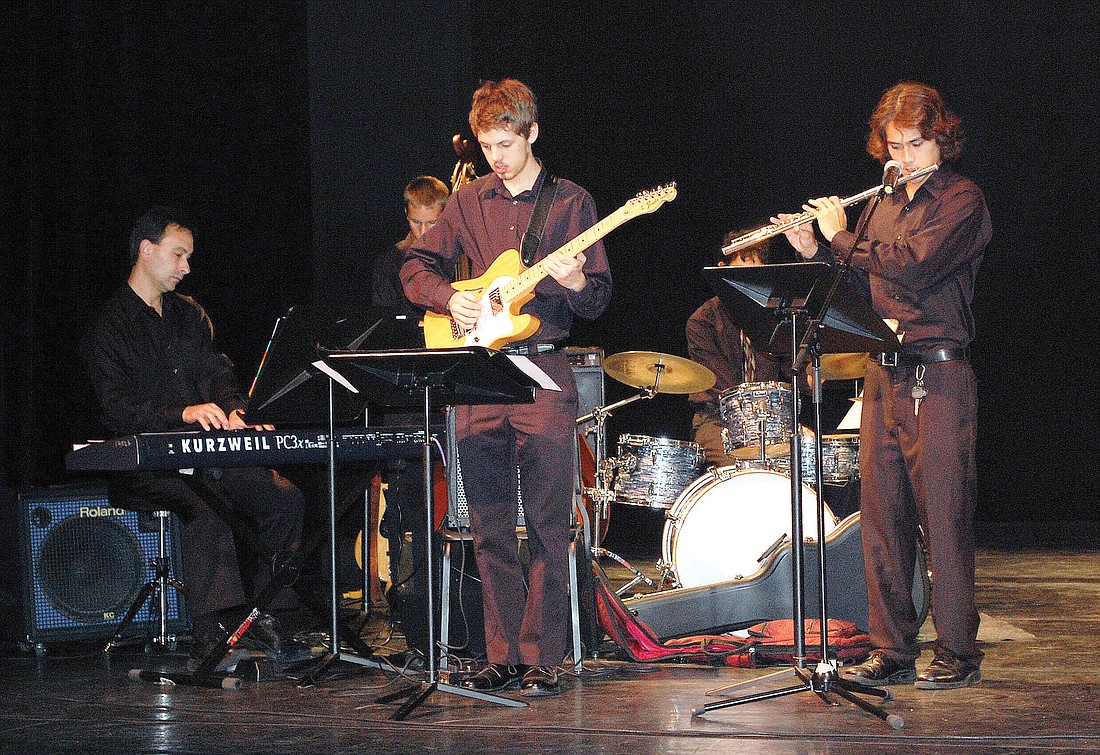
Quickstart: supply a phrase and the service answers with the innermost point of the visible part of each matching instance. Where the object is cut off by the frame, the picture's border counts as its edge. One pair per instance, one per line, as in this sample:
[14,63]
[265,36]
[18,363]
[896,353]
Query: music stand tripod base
[823,681]
[419,693]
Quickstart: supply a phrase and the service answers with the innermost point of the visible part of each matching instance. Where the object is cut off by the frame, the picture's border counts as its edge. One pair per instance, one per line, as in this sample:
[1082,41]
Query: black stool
[162,579]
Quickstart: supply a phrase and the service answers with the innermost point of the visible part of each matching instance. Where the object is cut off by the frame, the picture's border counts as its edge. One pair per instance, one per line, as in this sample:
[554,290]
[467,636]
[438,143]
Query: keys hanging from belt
[919,391]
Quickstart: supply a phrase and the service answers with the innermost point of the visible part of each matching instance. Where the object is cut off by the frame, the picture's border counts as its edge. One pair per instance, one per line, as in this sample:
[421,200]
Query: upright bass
[463,174]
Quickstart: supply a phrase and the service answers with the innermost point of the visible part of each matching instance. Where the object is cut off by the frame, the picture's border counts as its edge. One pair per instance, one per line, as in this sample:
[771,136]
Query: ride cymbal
[844,366]
[649,369]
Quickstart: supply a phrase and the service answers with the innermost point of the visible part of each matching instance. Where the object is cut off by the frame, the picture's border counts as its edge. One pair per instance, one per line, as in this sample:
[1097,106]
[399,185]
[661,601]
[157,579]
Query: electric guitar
[507,285]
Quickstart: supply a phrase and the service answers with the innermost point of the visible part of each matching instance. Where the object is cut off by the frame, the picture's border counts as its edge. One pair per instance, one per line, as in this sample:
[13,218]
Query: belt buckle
[889,359]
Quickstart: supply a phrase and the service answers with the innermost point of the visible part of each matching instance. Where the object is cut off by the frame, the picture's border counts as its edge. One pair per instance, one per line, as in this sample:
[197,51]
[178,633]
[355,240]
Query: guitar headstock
[648,201]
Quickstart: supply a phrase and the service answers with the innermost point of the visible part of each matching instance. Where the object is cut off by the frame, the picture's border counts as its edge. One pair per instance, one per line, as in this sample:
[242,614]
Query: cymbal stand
[602,494]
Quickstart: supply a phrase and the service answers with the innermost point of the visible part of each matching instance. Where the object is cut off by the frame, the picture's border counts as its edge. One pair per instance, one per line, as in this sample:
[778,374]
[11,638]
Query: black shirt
[146,368]
[385,282]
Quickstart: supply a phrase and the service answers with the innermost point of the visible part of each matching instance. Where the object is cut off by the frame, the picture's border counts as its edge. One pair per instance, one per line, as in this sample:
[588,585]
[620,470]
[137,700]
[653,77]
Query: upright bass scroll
[774,229]
[464,169]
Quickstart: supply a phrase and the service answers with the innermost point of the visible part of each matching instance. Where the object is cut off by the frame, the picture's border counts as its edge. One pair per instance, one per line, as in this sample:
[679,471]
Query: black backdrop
[290,129]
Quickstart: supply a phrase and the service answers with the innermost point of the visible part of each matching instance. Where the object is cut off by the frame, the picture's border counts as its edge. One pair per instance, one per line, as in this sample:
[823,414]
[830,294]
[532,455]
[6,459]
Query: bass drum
[726,523]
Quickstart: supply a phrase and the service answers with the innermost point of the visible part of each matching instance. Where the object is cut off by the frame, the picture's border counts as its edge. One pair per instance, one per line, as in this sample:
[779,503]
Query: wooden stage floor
[1039,594]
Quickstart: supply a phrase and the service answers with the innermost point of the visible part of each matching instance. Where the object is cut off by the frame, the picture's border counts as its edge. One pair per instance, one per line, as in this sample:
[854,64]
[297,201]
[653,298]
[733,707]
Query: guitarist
[525,629]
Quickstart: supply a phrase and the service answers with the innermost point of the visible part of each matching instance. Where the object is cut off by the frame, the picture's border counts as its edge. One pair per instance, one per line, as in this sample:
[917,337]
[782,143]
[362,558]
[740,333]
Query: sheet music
[535,372]
[323,366]
[851,419]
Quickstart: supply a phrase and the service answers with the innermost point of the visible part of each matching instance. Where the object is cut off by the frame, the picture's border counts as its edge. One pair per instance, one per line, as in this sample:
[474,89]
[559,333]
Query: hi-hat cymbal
[844,366]
[640,369]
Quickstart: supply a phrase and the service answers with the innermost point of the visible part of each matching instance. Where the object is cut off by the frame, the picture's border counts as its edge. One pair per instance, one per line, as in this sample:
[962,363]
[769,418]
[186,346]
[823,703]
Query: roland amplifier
[84,561]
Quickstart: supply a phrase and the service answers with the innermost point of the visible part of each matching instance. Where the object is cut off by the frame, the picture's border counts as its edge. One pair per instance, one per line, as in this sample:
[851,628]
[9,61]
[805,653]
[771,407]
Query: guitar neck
[525,282]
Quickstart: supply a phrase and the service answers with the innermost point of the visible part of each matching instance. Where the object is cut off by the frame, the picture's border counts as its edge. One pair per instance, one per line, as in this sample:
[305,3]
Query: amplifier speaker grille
[84,562]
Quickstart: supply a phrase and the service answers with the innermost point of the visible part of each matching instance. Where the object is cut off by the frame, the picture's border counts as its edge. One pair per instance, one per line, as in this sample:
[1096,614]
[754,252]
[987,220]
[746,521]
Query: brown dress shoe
[494,677]
[880,670]
[541,681]
[948,671]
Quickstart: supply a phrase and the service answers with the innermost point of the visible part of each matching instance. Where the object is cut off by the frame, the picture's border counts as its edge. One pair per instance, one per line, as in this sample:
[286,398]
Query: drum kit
[724,522]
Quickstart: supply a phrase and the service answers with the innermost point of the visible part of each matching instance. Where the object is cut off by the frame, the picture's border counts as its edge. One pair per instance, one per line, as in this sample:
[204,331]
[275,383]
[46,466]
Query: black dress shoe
[205,642]
[880,670]
[540,681]
[948,671]
[494,677]
[267,635]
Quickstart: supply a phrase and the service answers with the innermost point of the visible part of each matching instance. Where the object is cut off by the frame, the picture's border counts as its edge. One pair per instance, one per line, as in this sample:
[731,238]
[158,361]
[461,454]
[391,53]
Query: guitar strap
[532,237]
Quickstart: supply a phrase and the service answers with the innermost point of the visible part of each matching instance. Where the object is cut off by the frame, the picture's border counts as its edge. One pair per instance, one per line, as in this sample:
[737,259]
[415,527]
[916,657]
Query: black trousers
[267,512]
[524,624]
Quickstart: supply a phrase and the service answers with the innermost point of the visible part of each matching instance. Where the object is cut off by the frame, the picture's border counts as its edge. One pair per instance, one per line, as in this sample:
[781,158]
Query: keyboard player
[151,359]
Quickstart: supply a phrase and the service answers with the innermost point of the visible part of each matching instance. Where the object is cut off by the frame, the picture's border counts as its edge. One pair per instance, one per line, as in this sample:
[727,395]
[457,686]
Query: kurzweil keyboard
[244,448]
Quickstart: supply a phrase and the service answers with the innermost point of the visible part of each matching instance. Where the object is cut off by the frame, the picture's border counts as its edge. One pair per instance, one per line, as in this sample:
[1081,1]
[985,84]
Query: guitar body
[499,323]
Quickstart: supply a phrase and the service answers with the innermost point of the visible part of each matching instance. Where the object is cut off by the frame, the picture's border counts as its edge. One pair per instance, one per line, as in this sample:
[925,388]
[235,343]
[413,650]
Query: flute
[773,229]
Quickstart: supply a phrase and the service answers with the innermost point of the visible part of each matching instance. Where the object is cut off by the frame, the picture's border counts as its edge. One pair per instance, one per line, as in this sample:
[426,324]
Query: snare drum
[743,410]
[654,471]
[726,523]
[839,458]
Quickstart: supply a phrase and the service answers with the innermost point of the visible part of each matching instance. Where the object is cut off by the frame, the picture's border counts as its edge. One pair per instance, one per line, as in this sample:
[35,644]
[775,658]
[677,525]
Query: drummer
[714,341]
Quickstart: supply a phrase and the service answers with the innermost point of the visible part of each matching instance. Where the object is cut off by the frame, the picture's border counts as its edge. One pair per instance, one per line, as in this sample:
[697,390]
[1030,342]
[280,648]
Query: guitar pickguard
[494,322]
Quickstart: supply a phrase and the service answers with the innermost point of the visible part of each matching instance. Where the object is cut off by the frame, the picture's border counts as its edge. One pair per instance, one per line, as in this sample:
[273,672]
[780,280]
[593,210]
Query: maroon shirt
[483,220]
[922,259]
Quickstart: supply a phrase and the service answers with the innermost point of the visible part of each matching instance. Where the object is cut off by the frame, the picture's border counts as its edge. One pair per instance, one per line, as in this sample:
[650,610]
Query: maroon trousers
[918,468]
[522,625]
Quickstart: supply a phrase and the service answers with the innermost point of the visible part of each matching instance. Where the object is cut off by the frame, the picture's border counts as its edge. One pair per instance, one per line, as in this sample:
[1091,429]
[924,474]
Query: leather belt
[530,349]
[901,359]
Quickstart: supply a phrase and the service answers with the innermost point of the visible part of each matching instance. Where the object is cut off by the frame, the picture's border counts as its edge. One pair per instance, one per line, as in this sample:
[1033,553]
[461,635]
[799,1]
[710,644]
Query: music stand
[435,377]
[287,389]
[797,310]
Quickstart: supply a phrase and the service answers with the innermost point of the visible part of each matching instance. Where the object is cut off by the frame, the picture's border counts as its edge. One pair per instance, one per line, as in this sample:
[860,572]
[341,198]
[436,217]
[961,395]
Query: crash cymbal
[844,366]
[639,369]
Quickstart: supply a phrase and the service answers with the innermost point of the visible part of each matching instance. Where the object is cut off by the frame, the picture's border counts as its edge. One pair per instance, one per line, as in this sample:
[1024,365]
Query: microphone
[891,172]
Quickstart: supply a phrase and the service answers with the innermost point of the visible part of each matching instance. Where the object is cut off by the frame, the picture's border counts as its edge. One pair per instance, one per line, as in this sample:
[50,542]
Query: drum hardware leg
[668,574]
[638,576]
[763,427]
